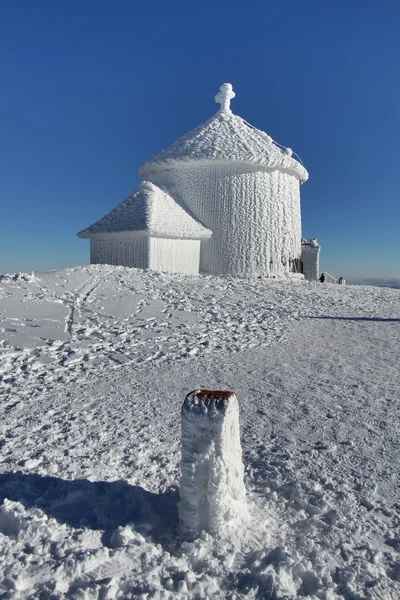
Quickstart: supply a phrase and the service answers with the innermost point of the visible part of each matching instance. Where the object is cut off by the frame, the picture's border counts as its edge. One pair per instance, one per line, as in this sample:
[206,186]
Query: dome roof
[148,210]
[226,137]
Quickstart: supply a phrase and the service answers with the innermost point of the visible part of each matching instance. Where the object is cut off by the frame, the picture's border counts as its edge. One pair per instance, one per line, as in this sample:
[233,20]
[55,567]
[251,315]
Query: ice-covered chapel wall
[174,255]
[146,252]
[115,249]
[254,215]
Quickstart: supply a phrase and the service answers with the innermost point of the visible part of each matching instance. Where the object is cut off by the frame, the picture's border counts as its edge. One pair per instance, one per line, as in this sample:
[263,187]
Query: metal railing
[330,278]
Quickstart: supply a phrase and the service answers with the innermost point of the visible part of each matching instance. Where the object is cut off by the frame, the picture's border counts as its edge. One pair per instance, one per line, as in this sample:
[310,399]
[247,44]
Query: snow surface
[95,364]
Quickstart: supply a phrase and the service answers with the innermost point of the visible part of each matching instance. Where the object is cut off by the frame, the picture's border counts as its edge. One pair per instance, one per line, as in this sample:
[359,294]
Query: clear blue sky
[91,89]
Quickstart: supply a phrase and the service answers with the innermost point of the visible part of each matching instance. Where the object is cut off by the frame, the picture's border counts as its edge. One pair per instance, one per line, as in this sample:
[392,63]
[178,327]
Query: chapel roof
[226,137]
[150,210]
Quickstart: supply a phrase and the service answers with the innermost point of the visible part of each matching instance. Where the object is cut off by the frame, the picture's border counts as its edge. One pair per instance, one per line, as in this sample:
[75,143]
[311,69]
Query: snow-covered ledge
[212,492]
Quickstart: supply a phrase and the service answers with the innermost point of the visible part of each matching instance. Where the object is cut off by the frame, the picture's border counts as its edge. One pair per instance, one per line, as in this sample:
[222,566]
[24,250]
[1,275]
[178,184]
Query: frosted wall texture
[174,255]
[310,260]
[127,250]
[254,215]
[146,252]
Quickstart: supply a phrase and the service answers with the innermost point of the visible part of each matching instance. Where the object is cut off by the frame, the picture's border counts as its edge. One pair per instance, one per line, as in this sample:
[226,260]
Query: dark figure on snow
[322,278]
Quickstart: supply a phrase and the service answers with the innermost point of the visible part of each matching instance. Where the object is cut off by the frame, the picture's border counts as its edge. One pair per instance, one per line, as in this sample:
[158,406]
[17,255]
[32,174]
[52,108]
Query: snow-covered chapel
[223,199]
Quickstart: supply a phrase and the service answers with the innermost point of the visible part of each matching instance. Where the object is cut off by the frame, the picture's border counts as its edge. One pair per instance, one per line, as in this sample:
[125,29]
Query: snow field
[90,445]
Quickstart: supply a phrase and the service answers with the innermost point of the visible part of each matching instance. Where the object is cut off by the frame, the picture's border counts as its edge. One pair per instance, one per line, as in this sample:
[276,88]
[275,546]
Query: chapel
[222,199]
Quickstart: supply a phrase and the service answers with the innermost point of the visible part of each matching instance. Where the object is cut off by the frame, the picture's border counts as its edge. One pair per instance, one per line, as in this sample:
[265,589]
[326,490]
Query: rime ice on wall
[310,250]
[254,215]
[174,255]
[147,230]
[120,250]
[212,491]
[238,183]
[226,184]
[146,252]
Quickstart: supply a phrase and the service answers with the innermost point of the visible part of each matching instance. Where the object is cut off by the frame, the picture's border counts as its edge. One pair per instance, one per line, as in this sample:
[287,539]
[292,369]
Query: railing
[330,278]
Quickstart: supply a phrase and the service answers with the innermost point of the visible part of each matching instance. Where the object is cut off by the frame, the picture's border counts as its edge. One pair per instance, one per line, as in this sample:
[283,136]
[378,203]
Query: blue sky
[92,89]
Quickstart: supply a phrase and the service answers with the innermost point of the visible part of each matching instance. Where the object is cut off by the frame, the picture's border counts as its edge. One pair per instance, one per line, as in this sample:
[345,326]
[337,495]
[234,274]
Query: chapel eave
[225,138]
[151,167]
[84,234]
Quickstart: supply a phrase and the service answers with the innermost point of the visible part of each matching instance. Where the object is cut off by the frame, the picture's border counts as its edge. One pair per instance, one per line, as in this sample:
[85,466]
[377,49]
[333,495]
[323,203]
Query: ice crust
[254,215]
[146,252]
[148,210]
[212,491]
[225,137]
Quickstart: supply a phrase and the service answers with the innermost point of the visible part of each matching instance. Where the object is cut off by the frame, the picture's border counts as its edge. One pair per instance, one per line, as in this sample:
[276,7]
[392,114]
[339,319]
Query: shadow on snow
[103,505]
[383,319]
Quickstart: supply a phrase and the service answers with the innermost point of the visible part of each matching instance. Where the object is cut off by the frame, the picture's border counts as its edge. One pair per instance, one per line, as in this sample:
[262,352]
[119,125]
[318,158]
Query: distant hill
[392,283]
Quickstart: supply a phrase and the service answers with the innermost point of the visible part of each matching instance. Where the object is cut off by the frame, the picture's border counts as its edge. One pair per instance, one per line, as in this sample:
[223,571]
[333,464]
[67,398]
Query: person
[322,278]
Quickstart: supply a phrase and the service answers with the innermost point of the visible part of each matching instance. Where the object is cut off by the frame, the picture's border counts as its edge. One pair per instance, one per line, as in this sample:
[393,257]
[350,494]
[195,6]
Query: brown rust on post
[219,398]
[211,394]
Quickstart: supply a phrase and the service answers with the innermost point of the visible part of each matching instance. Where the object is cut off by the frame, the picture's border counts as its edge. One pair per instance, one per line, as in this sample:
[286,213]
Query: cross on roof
[225,96]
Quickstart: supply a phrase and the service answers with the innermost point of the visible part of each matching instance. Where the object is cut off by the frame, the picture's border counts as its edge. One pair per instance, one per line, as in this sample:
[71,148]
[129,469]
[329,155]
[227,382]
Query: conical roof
[149,210]
[226,137]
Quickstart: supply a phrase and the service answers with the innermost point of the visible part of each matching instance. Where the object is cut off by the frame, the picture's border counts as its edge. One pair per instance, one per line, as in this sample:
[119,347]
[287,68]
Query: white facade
[125,249]
[174,255]
[146,252]
[223,199]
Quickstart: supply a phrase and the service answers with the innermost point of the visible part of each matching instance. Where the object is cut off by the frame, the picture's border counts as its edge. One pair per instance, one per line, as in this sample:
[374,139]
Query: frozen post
[212,492]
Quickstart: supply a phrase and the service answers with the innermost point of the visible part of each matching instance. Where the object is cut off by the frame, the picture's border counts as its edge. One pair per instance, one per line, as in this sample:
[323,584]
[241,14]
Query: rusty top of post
[211,394]
[208,400]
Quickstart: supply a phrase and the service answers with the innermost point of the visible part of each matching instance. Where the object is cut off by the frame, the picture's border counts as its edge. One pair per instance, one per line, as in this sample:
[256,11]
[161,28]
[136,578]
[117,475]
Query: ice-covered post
[212,492]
